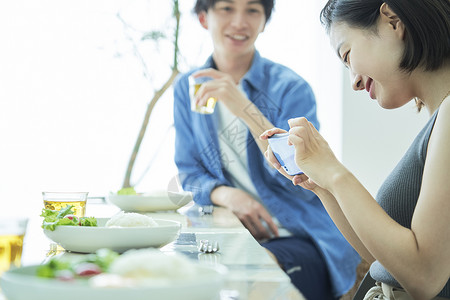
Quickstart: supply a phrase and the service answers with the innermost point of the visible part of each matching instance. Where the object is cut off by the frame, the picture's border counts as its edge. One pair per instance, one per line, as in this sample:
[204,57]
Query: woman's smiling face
[373,59]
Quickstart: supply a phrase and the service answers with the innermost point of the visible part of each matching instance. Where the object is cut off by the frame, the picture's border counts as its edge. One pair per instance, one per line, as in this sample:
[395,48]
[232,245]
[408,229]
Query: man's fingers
[270,223]
[255,226]
[210,72]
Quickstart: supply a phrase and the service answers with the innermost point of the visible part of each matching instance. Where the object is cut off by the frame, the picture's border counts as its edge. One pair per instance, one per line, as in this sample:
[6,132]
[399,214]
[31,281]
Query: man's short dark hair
[204,5]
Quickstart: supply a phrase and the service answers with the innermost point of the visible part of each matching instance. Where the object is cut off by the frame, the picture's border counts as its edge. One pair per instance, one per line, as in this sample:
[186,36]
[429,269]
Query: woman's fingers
[298,136]
[268,133]
[302,121]
[275,163]
[298,179]
[271,158]
[314,131]
[302,133]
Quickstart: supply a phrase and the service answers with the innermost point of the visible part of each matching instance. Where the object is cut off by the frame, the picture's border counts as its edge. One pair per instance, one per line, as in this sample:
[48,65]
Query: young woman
[220,157]
[395,50]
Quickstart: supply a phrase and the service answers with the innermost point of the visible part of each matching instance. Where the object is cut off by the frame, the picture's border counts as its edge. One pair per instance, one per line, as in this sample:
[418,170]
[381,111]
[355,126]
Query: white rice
[123,219]
[152,263]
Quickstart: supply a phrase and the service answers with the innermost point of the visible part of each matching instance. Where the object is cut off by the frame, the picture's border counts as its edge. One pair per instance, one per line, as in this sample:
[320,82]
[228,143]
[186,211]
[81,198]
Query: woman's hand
[312,154]
[269,154]
[301,180]
[224,89]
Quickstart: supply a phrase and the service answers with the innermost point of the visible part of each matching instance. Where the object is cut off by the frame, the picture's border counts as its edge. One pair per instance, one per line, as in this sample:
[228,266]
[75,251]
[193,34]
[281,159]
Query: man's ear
[388,16]
[202,18]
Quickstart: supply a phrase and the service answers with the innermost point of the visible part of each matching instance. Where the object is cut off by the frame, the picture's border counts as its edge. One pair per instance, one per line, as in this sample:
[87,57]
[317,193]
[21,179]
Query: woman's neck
[236,66]
[433,87]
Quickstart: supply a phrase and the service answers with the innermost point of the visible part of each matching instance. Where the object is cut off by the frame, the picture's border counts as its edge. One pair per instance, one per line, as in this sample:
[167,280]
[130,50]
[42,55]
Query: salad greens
[127,191]
[65,268]
[65,216]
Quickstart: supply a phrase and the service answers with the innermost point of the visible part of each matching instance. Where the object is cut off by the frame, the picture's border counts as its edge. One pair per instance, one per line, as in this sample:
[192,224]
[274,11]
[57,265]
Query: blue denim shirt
[280,94]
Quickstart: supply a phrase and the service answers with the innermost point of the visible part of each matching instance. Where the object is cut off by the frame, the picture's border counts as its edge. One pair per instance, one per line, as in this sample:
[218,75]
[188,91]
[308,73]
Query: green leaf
[49,214]
[66,210]
[64,265]
[45,271]
[104,258]
[51,225]
[53,218]
[88,221]
[50,269]
[127,191]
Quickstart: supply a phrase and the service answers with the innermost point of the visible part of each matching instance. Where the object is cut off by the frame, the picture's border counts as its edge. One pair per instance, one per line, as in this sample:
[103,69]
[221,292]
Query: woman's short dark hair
[427,26]
[204,5]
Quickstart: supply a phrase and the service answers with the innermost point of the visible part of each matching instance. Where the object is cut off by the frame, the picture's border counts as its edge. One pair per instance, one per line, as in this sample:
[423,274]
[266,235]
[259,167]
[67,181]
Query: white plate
[156,201]
[22,284]
[87,239]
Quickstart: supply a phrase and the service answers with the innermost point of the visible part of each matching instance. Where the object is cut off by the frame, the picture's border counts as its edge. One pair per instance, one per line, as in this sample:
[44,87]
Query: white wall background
[73,95]
[375,139]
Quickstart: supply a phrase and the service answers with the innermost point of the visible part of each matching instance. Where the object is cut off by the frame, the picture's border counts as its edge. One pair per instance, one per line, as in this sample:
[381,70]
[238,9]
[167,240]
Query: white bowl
[148,202]
[22,284]
[87,239]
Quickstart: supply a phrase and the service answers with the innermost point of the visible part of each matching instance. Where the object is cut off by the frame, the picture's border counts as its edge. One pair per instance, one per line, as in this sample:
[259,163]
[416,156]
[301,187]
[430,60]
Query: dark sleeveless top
[399,193]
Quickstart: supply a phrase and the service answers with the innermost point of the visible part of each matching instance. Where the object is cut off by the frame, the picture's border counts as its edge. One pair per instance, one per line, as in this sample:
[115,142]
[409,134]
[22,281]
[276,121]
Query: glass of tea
[12,232]
[58,200]
[194,86]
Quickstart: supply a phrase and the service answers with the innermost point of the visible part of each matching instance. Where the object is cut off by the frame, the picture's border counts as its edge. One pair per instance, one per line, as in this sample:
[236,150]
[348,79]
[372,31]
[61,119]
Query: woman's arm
[419,258]
[338,217]
[329,201]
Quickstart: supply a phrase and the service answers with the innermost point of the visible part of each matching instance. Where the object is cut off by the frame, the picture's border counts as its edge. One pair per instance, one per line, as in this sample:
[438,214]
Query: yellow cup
[12,233]
[58,200]
[194,86]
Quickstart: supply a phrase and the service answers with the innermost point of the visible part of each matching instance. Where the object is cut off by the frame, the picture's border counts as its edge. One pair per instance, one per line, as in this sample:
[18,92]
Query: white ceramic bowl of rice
[120,233]
[145,274]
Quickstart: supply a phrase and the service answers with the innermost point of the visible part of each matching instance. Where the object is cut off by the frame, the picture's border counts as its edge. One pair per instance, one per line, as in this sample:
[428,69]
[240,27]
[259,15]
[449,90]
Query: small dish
[23,284]
[150,202]
[90,239]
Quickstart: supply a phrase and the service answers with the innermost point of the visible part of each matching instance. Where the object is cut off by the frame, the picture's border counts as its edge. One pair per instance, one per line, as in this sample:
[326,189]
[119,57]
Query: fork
[207,246]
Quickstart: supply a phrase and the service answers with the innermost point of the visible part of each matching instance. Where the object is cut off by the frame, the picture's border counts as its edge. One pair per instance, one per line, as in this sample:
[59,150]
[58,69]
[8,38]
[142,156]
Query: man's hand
[249,211]
[224,89]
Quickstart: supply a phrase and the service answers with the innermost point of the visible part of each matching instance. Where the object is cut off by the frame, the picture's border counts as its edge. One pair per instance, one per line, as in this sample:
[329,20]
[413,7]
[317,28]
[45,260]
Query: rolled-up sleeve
[191,158]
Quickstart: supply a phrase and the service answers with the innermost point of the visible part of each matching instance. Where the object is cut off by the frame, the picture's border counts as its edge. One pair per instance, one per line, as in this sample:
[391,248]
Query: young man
[220,156]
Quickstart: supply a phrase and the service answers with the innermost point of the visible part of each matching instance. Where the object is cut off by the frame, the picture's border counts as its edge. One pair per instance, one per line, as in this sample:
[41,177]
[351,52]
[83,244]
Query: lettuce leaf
[102,258]
[66,265]
[53,218]
[50,269]
[88,221]
[127,191]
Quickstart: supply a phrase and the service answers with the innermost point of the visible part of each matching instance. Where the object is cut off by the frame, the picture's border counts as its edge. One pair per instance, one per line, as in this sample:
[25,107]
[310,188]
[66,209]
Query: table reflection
[252,273]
